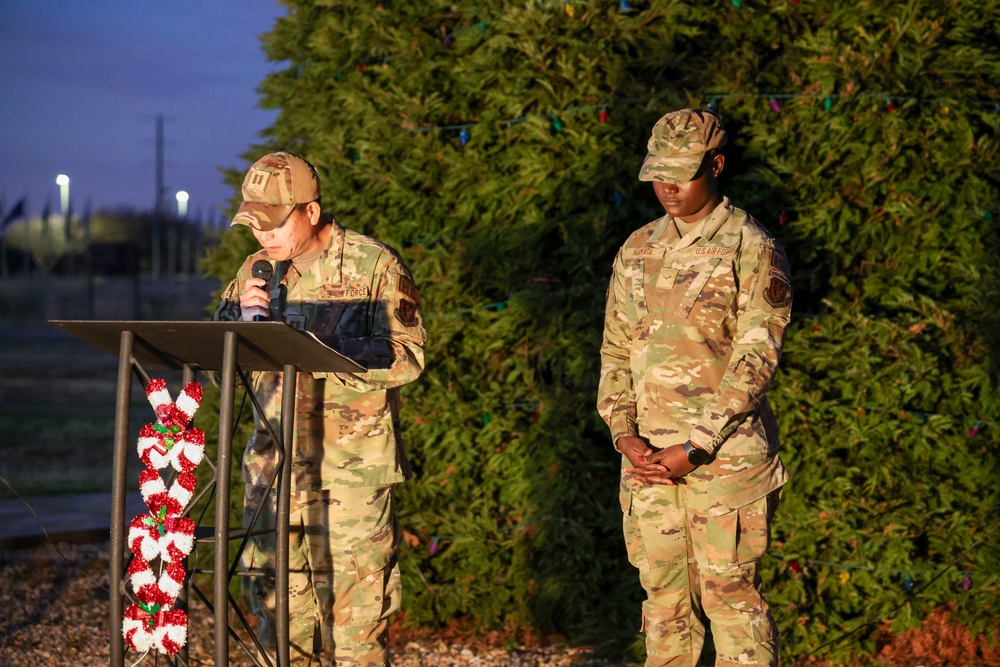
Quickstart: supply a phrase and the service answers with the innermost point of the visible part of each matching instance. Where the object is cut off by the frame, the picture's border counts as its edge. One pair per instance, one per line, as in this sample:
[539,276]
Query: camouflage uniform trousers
[343,574]
[692,566]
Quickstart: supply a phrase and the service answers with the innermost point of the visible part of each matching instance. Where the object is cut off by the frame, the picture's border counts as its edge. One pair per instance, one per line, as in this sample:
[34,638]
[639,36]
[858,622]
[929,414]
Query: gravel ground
[54,612]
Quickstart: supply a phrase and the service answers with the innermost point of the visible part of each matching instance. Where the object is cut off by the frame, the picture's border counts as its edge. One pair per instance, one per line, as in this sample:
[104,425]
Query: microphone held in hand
[262,269]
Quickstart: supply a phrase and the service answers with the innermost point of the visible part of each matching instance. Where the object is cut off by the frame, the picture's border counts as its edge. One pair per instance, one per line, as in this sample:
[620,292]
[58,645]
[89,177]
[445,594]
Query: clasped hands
[651,465]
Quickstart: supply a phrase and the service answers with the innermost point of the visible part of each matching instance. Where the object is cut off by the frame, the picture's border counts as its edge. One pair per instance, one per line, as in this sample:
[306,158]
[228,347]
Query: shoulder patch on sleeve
[778,262]
[406,313]
[407,287]
[777,289]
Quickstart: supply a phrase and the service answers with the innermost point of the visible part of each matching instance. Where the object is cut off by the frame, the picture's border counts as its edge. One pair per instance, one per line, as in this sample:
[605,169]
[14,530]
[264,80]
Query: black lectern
[231,348]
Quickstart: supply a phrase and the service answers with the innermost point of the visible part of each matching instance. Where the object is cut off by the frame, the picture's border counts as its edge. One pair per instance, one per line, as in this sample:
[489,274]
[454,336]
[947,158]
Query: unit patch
[406,313]
[778,292]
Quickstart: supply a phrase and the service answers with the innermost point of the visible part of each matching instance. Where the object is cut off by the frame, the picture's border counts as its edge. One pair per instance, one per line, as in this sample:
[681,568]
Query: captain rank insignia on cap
[256,182]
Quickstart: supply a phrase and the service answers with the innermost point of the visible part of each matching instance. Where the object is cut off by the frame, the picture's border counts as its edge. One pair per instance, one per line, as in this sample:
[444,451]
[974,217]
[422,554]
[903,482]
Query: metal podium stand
[228,347]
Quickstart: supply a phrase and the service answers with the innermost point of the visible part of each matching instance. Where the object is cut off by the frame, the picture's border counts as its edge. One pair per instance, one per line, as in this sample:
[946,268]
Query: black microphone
[262,269]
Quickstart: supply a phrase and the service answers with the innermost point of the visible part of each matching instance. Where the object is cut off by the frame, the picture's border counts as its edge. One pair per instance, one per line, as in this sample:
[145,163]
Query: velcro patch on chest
[347,293]
[641,253]
[666,279]
[296,321]
[715,251]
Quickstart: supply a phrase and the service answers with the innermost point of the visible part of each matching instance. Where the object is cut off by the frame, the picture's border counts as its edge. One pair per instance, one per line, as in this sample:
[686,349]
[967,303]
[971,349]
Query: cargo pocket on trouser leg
[743,629]
[656,544]
[366,591]
[257,589]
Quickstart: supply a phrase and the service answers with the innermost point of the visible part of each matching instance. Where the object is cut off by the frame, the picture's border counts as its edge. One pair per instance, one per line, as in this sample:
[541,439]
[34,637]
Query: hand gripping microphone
[262,269]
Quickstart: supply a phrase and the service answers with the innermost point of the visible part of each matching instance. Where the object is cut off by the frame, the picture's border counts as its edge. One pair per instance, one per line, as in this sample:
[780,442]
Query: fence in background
[33,300]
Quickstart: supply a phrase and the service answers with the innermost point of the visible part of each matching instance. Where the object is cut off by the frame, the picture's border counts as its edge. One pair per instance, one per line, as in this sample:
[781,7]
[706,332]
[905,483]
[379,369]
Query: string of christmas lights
[891,101]
[794,564]
[556,119]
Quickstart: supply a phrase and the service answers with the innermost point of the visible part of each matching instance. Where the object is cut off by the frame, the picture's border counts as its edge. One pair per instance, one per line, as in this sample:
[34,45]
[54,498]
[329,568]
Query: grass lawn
[57,415]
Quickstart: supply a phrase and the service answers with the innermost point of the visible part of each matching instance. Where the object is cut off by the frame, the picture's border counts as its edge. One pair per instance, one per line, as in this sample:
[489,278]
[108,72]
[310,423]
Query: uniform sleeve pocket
[636,306]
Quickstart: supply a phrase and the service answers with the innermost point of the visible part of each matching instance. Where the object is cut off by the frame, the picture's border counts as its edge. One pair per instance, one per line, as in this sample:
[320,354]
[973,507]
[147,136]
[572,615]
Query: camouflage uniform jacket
[692,337]
[359,299]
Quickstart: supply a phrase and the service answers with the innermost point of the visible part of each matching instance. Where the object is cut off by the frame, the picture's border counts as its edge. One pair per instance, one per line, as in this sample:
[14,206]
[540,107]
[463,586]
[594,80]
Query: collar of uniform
[327,267]
[706,229]
[711,225]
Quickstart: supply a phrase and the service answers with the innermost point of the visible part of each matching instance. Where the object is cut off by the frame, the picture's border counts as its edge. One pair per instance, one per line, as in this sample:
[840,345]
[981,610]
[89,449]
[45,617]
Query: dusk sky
[82,81]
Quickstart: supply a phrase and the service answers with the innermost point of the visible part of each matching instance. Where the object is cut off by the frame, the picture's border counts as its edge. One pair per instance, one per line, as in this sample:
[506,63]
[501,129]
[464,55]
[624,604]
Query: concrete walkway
[84,517]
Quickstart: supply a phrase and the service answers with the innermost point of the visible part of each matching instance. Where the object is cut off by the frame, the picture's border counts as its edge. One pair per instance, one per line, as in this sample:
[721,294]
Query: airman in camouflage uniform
[356,296]
[696,314]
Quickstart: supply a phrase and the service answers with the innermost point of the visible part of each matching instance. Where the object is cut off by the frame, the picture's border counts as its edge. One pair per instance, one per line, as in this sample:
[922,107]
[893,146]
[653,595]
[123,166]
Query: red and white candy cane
[148,627]
[163,533]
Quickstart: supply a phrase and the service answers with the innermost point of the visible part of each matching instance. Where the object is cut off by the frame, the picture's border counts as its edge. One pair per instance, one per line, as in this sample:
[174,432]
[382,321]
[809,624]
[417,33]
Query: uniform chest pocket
[335,311]
[701,291]
[711,294]
[697,278]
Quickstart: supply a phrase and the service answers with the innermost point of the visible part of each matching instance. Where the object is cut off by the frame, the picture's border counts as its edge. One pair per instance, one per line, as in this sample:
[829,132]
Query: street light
[62,180]
[182,204]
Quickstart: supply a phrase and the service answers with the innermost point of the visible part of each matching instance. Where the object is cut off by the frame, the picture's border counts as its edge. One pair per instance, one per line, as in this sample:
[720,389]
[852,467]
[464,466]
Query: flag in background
[15,214]
[46,236]
[85,221]
[67,222]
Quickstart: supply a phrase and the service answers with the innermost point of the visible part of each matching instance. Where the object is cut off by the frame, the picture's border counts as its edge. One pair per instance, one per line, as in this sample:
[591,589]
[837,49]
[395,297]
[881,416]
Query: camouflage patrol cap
[272,188]
[678,144]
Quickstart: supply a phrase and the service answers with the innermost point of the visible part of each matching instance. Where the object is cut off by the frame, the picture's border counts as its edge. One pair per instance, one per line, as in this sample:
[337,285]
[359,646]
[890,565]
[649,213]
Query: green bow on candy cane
[168,433]
[153,611]
[160,521]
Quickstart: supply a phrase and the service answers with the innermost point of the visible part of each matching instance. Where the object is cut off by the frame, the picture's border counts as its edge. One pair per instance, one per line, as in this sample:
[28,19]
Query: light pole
[62,180]
[182,204]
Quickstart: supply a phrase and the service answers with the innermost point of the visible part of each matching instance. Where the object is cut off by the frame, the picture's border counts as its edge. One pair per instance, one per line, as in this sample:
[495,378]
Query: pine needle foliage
[470,136]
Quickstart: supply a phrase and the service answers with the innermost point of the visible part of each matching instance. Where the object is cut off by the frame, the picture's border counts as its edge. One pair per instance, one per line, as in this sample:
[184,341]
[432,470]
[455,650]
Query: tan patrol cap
[272,188]
[678,144]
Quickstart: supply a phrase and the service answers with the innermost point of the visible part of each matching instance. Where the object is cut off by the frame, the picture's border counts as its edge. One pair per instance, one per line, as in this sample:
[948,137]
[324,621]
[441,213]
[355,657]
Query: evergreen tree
[496,145]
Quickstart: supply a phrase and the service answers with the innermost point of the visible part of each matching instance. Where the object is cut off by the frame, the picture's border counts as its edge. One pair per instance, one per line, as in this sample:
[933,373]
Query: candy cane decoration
[163,533]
